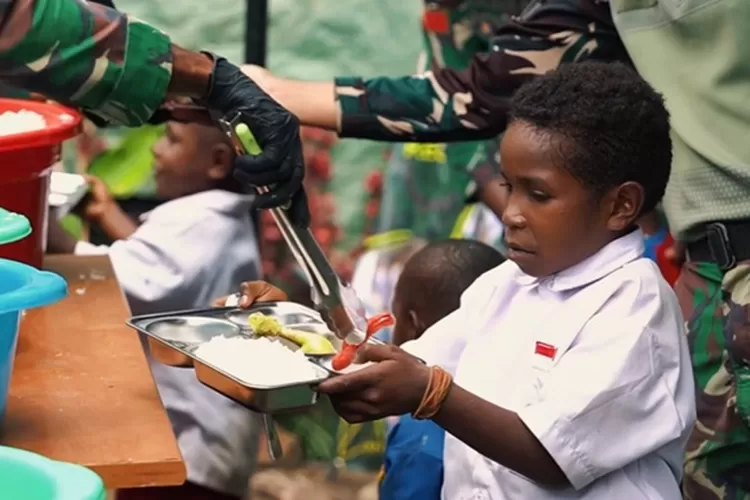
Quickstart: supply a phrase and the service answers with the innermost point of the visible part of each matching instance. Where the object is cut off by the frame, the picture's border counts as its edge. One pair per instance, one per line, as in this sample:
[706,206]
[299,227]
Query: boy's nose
[155,150]
[513,217]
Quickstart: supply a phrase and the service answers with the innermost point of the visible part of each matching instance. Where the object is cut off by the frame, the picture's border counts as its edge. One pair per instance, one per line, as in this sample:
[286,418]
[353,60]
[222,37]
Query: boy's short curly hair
[437,275]
[610,125]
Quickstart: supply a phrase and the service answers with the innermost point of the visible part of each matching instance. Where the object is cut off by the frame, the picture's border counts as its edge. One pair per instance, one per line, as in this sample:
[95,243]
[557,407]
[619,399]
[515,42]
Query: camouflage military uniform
[710,179]
[456,105]
[717,308]
[85,55]
[425,185]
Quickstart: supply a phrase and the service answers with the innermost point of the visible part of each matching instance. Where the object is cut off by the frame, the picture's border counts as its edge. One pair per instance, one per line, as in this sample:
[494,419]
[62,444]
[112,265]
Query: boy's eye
[540,196]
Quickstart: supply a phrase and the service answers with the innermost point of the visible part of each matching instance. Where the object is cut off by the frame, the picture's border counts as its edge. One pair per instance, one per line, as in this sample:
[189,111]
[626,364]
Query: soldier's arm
[95,58]
[449,105]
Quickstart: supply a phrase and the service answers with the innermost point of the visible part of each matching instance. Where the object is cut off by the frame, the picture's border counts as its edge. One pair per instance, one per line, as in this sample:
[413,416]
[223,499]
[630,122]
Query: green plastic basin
[13,227]
[28,476]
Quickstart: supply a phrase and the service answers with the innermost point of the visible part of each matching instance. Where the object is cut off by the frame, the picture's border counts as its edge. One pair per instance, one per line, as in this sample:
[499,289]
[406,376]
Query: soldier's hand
[280,165]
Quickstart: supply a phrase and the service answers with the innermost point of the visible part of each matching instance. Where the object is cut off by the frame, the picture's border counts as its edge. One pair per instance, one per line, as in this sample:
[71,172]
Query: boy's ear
[417,323]
[626,201]
[222,157]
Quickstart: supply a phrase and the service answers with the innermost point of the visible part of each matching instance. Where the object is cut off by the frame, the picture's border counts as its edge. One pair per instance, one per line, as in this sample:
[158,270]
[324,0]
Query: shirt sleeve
[621,392]
[470,104]
[442,343]
[153,263]
[85,55]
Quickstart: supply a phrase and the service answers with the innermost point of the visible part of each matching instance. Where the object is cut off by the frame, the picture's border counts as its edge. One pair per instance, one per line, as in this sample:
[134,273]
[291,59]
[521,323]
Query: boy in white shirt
[197,245]
[565,372]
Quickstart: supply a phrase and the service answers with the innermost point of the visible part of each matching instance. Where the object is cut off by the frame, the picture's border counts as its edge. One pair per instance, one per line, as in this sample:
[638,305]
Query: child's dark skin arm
[116,224]
[105,212]
[495,432]
[500,435]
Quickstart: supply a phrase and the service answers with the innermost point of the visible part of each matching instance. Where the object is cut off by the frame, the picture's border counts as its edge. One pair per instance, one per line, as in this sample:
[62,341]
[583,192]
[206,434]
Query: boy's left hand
[393,386]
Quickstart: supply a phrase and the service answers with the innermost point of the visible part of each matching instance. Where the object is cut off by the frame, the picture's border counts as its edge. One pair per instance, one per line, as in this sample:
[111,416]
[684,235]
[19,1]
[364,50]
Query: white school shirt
[187,252]
[594,360]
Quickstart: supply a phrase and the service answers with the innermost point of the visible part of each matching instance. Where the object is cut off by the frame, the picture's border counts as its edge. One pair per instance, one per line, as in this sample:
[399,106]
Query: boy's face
[552,221]
[186,161]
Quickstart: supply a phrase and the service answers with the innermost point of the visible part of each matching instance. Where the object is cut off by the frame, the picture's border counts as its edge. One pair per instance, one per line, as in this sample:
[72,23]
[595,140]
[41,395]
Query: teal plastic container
[21,287]
[13,227]
[28,476]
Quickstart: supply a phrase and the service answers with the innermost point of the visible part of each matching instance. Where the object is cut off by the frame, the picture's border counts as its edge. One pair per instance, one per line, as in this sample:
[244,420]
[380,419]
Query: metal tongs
[336,301]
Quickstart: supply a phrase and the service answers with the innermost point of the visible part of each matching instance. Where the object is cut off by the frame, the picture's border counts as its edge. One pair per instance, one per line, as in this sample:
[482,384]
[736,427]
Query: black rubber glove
[280,166]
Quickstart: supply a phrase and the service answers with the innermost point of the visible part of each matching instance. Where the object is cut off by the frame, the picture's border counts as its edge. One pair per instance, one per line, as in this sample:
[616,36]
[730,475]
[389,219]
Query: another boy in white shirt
[197,245]
[565,372]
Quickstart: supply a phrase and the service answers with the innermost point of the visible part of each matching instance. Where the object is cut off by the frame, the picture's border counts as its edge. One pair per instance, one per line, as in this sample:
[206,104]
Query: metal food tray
[174,337]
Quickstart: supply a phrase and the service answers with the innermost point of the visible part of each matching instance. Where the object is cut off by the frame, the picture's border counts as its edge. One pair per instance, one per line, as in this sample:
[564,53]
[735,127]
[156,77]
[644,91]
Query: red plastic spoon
[349,351]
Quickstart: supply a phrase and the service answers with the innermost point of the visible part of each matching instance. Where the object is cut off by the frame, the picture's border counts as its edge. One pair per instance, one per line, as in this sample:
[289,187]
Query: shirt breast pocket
[538,374]
[551,345]
[545,356]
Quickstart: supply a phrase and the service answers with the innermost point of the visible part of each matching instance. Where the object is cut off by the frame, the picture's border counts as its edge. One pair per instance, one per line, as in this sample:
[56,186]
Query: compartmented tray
[174,337]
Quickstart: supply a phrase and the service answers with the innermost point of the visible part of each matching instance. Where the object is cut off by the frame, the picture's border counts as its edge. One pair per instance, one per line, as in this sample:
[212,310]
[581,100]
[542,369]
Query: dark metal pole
[256,22]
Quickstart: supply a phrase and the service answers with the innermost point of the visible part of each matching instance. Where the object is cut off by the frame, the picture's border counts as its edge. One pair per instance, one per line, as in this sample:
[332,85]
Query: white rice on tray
[258,361]
[18,122]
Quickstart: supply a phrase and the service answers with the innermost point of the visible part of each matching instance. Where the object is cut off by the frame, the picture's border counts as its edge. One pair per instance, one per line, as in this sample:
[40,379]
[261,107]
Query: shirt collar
[217,200]
[607,260]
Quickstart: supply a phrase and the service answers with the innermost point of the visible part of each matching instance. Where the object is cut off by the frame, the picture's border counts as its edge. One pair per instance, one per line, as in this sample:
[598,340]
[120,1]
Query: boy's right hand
[100,200]
[255,291]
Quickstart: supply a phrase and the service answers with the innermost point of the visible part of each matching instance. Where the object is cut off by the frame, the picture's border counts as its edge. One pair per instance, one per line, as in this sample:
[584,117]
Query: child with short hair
[428,289]
[195,246]
[565,372]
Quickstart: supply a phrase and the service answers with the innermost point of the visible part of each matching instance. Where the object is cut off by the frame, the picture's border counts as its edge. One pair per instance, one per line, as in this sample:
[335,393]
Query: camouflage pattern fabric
[445,104]
[717,309]
[85,55]
[425,185]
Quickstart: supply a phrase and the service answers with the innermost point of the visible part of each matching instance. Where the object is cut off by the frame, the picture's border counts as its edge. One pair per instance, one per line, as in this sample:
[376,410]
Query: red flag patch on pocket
[546,350]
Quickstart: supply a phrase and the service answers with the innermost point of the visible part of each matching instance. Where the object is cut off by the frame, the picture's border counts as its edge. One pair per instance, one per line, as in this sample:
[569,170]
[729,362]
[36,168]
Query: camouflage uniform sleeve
[449,105]
[85,55]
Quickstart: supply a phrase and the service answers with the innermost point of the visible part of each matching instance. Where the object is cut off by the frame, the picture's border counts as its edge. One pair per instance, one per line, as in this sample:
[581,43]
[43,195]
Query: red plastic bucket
[26,161]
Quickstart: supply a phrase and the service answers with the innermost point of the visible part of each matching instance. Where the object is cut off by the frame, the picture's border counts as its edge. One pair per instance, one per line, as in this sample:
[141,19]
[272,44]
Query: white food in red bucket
[259,361]
[18,122]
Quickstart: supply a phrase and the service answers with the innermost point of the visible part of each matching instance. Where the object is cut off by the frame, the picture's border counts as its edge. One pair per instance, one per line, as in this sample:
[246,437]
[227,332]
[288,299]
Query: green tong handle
[247,139]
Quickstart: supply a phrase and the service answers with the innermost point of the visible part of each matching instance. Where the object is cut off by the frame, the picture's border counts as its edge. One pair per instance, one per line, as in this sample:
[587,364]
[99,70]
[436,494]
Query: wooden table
[81,389]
